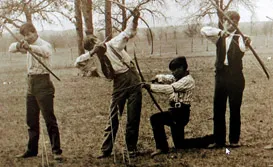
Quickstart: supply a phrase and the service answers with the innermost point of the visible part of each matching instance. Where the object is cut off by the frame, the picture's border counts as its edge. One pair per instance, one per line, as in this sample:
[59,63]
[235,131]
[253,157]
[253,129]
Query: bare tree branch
[39,10]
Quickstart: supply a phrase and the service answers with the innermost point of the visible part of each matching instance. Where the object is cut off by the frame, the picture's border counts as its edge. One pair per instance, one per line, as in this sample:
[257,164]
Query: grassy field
[81,107]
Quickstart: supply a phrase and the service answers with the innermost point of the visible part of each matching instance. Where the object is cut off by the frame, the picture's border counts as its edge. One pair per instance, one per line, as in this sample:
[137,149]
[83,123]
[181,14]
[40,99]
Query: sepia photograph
[139,83]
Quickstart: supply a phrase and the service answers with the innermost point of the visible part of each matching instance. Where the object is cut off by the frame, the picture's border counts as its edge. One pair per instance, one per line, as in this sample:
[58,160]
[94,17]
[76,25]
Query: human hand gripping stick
[99,48]
[226,26]
[22,46]
[238,30]
[28,49]
[146,86]
[247,41]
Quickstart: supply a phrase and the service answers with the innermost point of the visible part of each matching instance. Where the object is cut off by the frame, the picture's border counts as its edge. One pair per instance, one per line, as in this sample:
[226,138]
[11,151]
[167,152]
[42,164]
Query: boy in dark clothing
[229,79]
[179,86]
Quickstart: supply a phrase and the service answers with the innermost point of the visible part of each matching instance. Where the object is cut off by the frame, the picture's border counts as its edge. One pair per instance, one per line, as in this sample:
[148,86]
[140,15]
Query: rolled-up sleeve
[120,41]
[130,31]
[165,78]
[182,85]
[82,58]
[211,33]
[242,45]
[160,88]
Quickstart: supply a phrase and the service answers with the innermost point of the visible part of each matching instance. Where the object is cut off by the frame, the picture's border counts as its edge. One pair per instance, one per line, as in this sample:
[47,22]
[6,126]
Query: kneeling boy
[179,86]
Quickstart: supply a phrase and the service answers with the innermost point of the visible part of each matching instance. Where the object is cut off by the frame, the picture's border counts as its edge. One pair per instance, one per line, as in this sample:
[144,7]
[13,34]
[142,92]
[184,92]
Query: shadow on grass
[199,142]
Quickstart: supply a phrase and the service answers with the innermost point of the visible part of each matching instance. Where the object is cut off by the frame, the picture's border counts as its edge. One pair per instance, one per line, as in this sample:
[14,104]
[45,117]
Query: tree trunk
[219,14]
[191,44]
[88,16]
[176,50]
[27,14]
[108,21]
[124,19]
[79,28]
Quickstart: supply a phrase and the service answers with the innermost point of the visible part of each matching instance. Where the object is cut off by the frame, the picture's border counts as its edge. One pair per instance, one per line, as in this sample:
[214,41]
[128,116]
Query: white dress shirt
[118,43]
[43,51]
[213,34]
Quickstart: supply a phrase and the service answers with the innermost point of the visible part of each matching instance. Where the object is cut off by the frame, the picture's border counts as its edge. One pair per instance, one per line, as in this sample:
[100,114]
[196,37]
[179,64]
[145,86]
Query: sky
[264,8]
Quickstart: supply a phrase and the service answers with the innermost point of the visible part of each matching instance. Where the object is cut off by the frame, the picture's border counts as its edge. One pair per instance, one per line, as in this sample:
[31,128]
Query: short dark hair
[233,15]
[178,63]
[89,42]
[27,27]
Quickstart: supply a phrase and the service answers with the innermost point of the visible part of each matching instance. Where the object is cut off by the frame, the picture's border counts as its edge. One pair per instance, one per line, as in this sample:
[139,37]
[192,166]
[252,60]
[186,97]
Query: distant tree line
[81,13]
[68,38]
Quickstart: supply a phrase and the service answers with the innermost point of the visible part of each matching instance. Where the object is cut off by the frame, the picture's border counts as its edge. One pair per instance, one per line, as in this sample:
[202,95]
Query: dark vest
[234,55]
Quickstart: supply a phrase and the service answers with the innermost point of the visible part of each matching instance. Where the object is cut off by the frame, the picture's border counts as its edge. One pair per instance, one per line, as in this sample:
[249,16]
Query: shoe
[268,147]
[234,145]
[57,157]
[27,154]
[158,152]
[104,155]
[215,146]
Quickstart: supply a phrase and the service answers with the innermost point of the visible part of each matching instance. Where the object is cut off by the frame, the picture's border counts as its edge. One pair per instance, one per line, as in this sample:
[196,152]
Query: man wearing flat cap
[179,86]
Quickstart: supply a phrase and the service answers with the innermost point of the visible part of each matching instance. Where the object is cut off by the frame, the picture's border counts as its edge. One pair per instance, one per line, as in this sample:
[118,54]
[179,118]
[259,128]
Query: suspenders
[119,56]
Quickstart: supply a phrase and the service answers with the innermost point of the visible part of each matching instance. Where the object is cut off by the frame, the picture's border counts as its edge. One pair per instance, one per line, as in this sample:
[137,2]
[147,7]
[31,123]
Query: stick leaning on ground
[29,50]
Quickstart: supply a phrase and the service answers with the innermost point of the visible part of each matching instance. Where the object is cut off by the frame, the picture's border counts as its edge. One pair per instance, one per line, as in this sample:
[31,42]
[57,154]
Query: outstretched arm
[182,85]
[120,41]
[211,33]
[15,47]
[44,50]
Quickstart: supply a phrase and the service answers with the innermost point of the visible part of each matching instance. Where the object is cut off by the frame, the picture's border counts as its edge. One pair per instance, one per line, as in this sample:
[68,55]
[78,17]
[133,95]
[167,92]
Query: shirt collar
[232,33]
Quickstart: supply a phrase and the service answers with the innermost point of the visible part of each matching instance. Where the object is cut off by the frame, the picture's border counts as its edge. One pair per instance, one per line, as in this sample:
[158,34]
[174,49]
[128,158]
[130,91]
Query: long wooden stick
[143,80]
[239,31]
[30,51]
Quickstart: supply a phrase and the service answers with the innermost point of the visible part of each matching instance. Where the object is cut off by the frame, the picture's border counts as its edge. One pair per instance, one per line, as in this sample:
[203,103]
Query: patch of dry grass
[81,106]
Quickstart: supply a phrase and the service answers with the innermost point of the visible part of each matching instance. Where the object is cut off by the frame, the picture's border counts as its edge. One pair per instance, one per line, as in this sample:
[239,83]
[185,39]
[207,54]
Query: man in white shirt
[229,79]
[40,91]
[117,65]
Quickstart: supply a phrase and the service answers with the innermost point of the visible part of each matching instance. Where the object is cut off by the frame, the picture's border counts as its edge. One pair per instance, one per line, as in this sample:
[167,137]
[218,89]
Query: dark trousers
[39,97]
[228,86]
[126,88]
[176,119]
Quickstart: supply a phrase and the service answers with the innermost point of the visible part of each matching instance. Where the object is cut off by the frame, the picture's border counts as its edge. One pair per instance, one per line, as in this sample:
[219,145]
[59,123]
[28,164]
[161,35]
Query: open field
[81,107]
